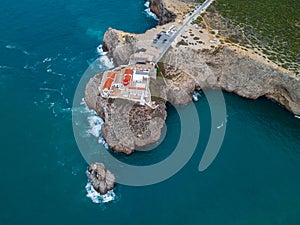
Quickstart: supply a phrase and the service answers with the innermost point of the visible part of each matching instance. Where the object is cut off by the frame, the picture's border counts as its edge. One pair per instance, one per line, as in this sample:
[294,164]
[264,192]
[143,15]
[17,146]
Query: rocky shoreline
[127,125]
[223,66]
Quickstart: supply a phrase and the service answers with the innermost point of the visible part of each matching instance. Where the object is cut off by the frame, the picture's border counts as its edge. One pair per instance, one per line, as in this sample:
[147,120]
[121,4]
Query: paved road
[161,42]
[202,8]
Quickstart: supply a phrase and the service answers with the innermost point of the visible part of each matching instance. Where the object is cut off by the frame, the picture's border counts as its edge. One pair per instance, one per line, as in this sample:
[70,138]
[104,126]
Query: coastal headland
[195,57]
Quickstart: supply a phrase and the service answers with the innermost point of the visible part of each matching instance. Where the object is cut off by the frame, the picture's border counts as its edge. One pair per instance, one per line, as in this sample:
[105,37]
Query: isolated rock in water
[101,179]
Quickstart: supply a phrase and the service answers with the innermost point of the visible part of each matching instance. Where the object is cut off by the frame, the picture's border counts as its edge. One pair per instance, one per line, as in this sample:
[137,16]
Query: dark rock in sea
[101,179]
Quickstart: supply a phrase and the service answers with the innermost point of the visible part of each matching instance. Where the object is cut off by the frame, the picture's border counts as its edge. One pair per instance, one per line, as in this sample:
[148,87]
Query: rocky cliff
[164,16]
[233,72]
[120,45]
[183,69]
[223,67]
[127,126]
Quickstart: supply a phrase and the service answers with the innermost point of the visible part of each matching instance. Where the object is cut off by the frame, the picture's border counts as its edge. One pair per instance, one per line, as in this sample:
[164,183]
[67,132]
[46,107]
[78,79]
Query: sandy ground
[206,37]
[177,7]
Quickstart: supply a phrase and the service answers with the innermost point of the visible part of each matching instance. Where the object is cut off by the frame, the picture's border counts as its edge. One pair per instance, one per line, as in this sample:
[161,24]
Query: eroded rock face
[252,79]
[185,70]
[128,126]
[101,179]
[119,45]
[163,14]
[224,68]
[227,69]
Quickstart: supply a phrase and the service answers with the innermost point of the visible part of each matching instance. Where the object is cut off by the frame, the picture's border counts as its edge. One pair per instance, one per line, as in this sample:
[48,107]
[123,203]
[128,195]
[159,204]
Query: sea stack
[101,179]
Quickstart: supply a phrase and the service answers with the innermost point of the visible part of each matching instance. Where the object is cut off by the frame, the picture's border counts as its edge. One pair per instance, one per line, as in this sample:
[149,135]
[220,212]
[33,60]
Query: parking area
[163,37]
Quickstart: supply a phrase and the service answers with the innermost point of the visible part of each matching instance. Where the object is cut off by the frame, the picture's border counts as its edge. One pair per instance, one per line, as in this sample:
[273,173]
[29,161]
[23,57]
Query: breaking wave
[98,198]
[196,96]
[104,60]
[148,11]
[100,50]
[94,124]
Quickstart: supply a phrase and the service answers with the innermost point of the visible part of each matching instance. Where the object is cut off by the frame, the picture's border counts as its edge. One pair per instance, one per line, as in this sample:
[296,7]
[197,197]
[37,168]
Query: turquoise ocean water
[45,47]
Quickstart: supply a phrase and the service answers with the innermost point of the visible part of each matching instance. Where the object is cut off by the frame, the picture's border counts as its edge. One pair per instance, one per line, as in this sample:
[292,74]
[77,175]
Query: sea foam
[94,124]
[196,96]
[148,11]
[98,198]
[100,50]
[11,46]
[104,60]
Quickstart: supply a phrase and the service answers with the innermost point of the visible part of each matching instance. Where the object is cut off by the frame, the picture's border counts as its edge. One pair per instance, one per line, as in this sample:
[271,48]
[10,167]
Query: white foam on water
[100,50]
[66,110]
[196,96]
[298,117]
[10,46]
[148,11]
[106,62]
[51,105]
[95,123]
[15,46]
[103,142]
[27,67]
[97,197]
[58,74]
[6,67]
[83,102]
[47,60]
[51,90]
[220,126]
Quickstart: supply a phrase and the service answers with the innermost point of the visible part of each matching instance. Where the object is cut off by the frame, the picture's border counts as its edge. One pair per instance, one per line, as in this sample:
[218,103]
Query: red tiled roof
[129,71]
[108,83]
[111,75]
[109,80]
[126,79]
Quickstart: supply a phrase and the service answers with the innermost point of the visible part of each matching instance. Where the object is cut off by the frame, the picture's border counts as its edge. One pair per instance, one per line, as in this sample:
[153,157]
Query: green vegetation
[181,42]
[198,21]
[160,69]
[271,26]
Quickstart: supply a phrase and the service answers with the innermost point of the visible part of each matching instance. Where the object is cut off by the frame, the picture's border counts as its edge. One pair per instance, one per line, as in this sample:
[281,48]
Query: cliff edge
[183,69]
